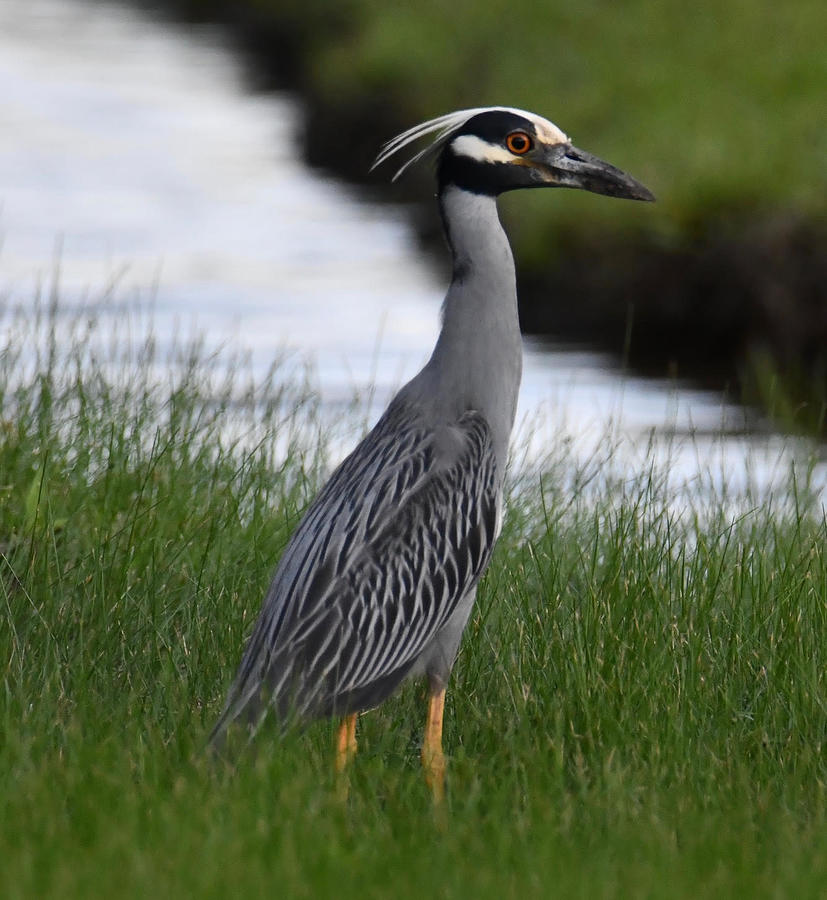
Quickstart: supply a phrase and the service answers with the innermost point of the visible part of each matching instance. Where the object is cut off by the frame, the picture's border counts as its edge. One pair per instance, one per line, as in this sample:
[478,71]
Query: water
[133,152]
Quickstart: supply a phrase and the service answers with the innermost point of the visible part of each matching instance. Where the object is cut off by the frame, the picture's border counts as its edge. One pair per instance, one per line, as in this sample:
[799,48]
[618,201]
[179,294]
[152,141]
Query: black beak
[569,167]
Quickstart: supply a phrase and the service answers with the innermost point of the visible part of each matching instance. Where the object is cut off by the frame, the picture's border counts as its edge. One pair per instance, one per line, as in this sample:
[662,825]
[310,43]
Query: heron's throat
[479,245]
[479,352]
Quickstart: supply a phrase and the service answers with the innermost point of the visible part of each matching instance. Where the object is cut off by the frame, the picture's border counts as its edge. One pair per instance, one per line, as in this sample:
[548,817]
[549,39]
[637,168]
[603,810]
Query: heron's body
[379,580]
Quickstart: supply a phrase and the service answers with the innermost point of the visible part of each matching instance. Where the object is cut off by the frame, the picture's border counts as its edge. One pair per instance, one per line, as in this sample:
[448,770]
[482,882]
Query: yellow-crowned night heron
[379,579]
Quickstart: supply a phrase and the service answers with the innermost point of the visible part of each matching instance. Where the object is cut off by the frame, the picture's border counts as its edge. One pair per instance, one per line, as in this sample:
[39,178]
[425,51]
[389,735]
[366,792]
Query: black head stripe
[493,126]
[491,178]
[480,176]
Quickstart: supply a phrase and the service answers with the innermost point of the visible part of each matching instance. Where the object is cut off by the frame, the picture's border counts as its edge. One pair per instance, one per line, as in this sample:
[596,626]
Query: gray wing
[400,533]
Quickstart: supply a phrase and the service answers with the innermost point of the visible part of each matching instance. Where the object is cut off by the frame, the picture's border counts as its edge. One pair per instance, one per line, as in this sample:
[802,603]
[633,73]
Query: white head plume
[446,126]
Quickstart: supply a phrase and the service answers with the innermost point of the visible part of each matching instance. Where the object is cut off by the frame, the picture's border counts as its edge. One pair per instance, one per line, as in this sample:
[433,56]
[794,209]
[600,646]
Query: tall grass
[639,708]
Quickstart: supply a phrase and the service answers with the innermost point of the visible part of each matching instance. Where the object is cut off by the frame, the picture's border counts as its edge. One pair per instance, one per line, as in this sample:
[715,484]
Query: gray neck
[477,361]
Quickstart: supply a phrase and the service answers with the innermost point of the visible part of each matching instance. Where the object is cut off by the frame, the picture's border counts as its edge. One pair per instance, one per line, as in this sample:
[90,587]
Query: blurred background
[211,159]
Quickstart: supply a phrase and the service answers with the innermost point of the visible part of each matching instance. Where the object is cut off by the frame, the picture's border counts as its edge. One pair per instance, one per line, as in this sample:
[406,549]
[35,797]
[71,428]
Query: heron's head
[497,149]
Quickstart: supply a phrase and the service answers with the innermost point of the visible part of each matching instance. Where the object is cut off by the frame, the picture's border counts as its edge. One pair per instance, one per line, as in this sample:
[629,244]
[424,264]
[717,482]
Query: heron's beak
[566,166]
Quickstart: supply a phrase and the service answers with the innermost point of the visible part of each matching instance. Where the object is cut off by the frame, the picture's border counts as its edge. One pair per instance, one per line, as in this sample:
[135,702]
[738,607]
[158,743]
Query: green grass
[639,709]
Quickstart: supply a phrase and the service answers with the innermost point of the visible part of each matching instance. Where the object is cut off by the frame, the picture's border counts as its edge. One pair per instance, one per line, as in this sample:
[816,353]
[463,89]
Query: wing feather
[400,533]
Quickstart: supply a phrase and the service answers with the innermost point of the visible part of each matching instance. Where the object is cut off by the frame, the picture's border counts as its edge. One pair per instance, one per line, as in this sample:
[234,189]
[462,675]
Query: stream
[135,156]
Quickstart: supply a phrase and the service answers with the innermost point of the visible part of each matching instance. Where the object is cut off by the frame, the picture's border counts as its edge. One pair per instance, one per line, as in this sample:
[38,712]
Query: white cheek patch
[476,148]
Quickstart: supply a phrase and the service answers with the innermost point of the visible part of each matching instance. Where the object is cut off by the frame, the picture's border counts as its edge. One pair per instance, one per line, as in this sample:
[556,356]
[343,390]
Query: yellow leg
[346,742]
[345,751]
[433,760]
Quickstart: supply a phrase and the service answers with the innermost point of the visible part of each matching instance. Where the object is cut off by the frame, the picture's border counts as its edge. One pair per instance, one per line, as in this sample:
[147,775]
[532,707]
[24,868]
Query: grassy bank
[639,709]
[715,107]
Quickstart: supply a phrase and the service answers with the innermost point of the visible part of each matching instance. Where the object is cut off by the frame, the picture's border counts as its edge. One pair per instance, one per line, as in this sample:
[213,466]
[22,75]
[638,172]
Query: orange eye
[518,142]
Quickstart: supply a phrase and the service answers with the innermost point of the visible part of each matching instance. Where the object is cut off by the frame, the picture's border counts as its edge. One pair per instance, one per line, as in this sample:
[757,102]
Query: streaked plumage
[379,579]
[399,535]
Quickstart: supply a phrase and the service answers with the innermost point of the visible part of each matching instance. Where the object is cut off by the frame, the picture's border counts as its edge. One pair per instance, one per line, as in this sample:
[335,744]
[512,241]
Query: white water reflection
[132,150]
